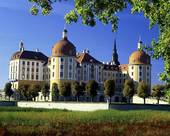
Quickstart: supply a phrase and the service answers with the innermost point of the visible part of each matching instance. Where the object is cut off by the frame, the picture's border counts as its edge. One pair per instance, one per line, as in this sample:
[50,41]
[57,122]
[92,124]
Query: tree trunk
[144,100]
[77,98]
[9,98]
[158,100]
[91,99]
[110,100]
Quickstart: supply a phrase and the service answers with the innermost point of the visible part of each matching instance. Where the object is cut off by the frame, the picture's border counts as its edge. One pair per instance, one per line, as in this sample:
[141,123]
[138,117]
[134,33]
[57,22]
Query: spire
[21,46]
[140,44]
[65,33]
[115,55]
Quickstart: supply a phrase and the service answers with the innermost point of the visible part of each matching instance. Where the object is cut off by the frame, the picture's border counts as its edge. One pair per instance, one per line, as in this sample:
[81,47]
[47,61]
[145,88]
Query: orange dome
[63,48]
[139,57]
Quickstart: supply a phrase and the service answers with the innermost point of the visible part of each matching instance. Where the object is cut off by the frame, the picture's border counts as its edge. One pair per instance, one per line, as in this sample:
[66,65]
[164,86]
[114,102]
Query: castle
[65,65]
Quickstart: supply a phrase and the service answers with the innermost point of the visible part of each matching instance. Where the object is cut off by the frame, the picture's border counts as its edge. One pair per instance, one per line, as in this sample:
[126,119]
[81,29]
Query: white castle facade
[65,65]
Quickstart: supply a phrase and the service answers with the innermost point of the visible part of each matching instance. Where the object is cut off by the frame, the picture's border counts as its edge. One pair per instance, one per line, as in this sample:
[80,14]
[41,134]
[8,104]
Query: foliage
[27,121]
[25,92]
[82,87]
[76,89]
[65,89]
[129,89]
[45,90]
[91,88]
[167,92]
[109,88]
[157,11]
[34,91]
[55,92]
[8,90]
[157,91]
[143,90]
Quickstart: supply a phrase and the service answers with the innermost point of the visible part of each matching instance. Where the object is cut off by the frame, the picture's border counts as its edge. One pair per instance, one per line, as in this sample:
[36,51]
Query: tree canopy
[8,90]
[109,88]
[91,88]
[129,89]
[143,90]
[89,11]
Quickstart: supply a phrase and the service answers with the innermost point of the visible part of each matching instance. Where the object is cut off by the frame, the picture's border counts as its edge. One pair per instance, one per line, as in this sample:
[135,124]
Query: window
[53,66]
[140,67]
[37,64]
[32,77]
[36,77]
[23,63]
[113,74]
[61,75]
[148,80]
[84,66]
[28,69]
[70,74]
[78,71]
[33,63]
[28,76]
[61,66]
[70,67]
[32,69]
[120,75]
[132,73]
[147,73]
[71,60]
[140,73]
[53,59]
[61,59]
[28,63]
[140,79]
[37,70]
[132,67]
[53,74]
[147,68]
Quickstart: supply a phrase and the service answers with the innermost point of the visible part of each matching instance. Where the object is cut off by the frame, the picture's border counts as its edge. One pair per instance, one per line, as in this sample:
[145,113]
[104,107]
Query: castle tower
[63,61]
[139,67]
[115,60]
[21,46]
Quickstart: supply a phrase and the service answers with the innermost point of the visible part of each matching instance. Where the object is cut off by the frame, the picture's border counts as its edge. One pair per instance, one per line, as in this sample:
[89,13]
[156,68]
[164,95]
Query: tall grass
[38,121]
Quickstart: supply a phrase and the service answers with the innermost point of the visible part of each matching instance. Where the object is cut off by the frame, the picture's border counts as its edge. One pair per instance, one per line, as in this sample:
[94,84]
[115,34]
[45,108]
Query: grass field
[30,122]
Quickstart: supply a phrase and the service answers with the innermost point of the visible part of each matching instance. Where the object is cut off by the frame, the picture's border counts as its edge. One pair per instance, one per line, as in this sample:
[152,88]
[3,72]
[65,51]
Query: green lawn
[26,121]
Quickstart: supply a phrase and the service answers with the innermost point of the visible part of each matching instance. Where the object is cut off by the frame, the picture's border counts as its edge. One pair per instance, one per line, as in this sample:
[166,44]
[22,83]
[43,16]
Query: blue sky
[16,24]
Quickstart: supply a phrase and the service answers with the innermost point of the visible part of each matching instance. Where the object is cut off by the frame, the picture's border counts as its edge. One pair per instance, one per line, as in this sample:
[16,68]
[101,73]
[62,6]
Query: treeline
[77,89]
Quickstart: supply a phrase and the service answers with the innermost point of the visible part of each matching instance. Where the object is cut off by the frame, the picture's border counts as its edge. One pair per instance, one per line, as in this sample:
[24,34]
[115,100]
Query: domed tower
[140,66]
[63,61]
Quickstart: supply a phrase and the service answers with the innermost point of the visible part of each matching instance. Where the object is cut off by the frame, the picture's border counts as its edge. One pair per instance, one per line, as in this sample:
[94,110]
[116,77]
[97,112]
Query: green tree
[129,89]
[157,11]
[157,91]
[55,92]
[24,91]
[34,91]
[65,89]
[109,88]
[82,88]
[167,92]
[143,90]
[91,88]
[45,90]
[8,90]
[76,89]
